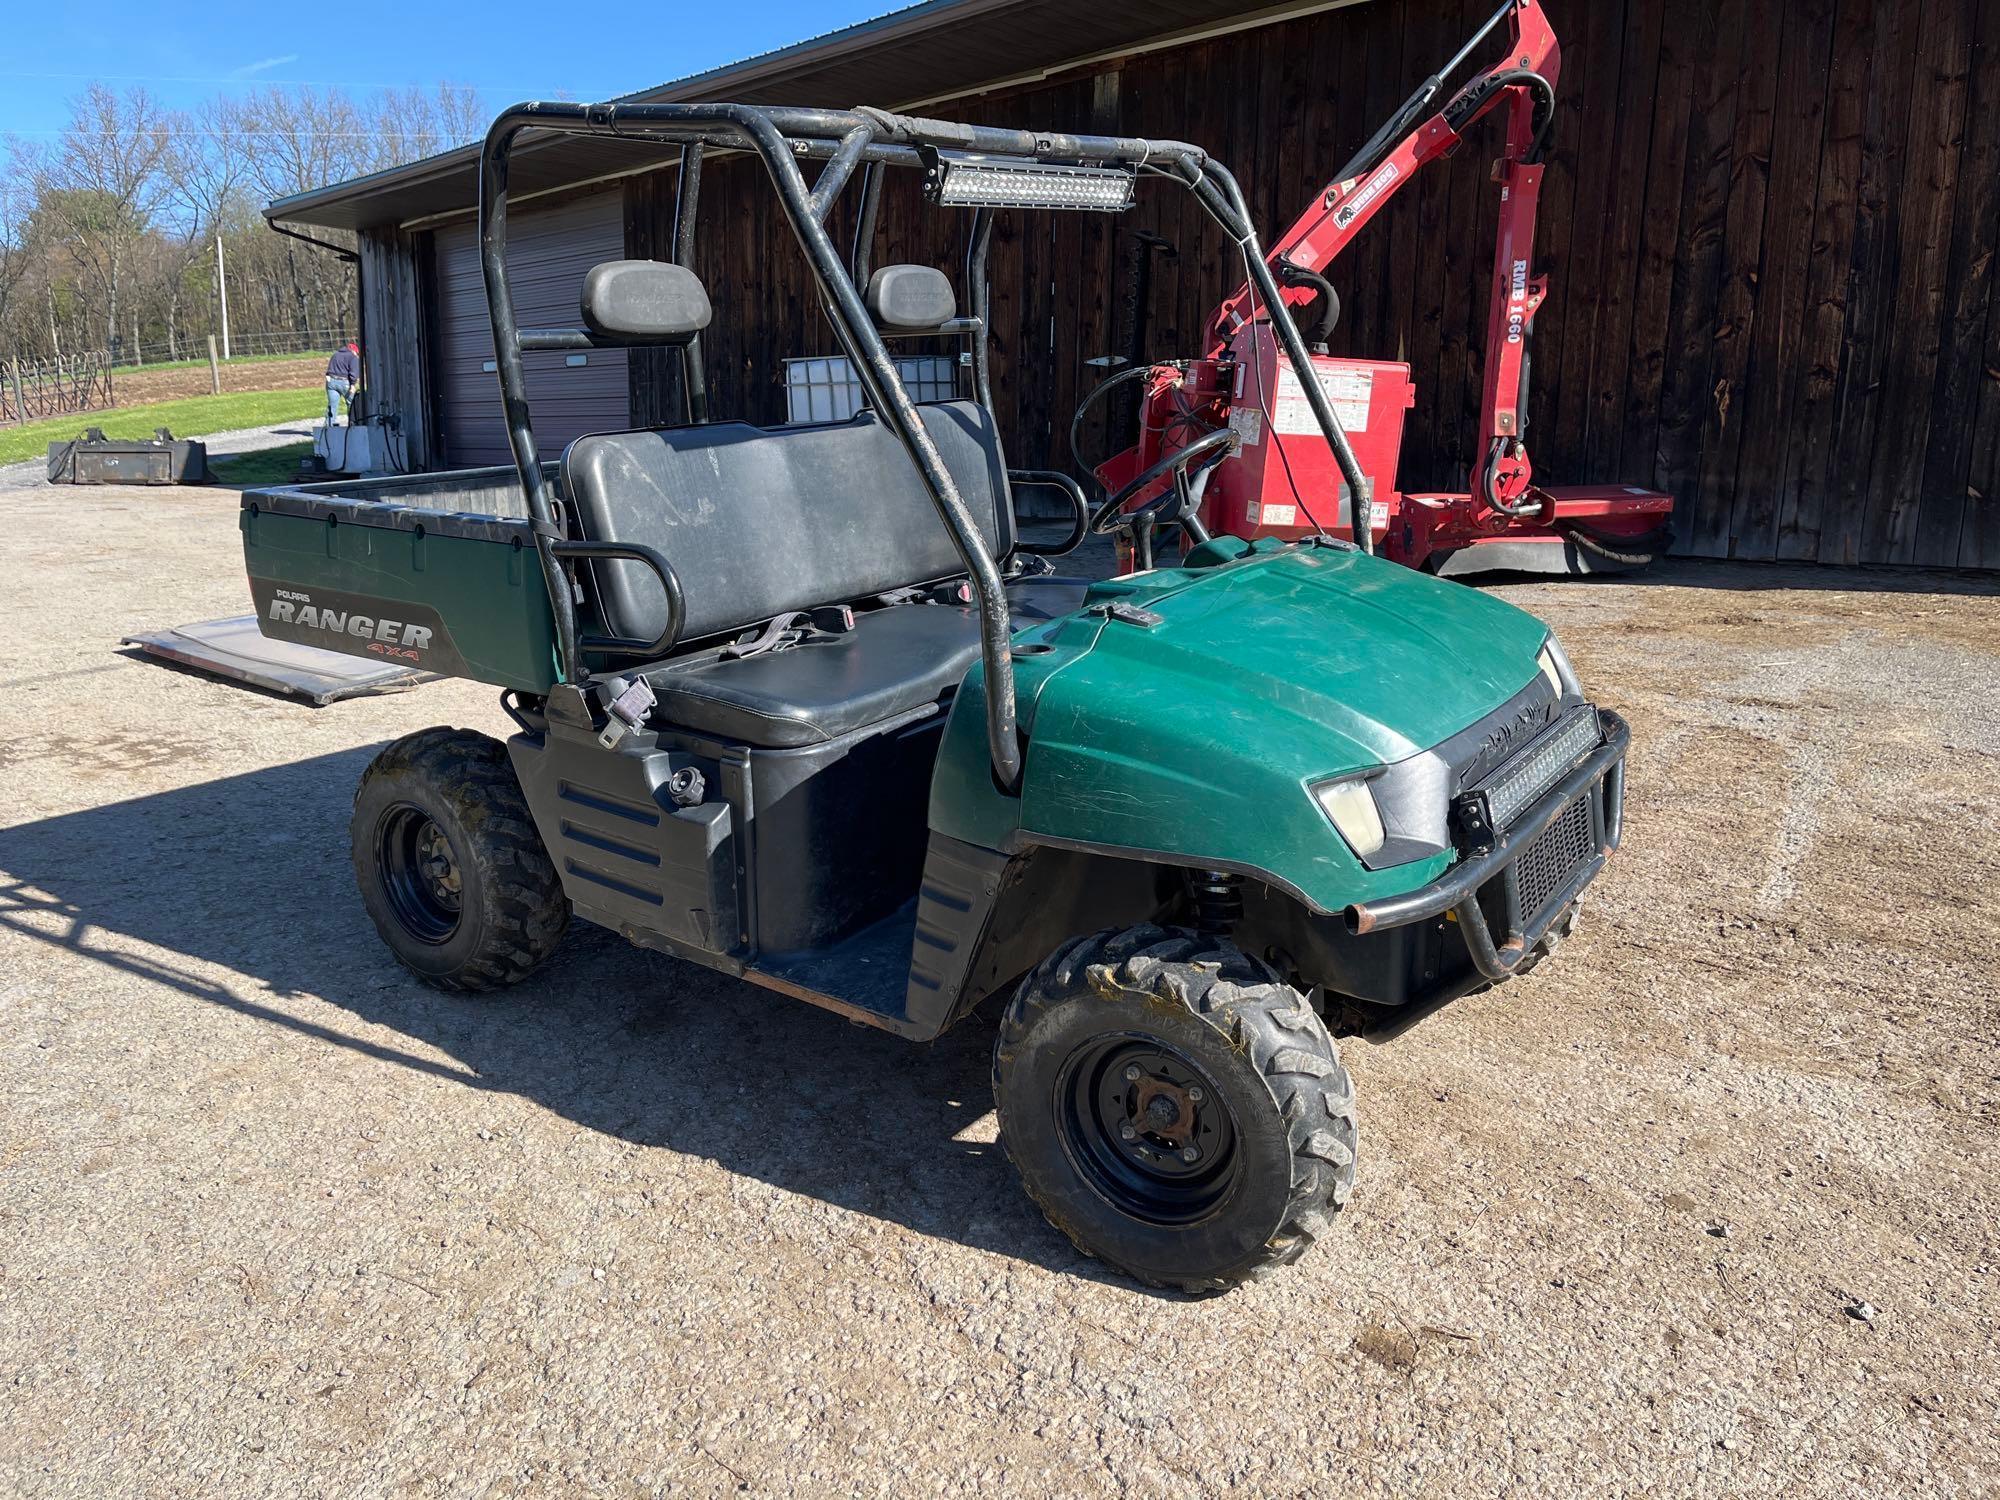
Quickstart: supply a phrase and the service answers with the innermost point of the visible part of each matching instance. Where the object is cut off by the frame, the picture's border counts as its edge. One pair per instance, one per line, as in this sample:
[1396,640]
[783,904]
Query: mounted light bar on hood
[957,181]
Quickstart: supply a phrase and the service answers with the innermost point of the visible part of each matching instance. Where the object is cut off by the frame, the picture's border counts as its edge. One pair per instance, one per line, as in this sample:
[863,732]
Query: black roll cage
[845,140]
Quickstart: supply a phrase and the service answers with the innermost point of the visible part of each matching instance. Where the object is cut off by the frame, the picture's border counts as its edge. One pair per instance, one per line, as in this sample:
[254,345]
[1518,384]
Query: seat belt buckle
[1029,565]
[631,704]
[834,619]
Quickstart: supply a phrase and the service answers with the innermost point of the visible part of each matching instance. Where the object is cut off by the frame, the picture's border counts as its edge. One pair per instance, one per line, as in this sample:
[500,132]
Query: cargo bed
[432,571]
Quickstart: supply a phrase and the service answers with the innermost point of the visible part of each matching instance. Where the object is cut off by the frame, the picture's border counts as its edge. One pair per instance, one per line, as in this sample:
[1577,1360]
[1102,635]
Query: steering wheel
[1175,504]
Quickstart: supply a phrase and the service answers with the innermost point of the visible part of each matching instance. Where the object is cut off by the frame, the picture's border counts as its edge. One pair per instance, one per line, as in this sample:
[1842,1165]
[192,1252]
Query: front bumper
[1597,782]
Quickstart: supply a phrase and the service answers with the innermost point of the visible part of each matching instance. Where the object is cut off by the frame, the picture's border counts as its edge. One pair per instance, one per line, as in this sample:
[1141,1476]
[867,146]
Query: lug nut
[1129,1131]
[1191,1154]
[1132,1073]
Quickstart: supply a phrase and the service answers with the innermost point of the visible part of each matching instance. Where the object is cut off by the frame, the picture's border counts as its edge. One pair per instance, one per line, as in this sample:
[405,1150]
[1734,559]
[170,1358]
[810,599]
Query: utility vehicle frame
[800,705]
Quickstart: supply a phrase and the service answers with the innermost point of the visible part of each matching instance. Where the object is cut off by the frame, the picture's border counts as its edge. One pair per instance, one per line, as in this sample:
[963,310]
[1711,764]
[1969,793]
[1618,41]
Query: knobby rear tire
[511,911]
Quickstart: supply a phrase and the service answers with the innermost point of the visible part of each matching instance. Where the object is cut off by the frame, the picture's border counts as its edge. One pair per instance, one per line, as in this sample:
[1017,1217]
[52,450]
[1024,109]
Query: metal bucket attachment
[97,459]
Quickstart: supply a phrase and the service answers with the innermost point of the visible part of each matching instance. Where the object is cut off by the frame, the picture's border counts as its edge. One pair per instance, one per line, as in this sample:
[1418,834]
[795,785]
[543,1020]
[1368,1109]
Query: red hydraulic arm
[1524,81]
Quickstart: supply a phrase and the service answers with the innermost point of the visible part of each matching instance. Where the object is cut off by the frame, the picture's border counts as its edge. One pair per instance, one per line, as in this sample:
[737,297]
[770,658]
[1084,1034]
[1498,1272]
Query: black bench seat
[894,660]
[761,522]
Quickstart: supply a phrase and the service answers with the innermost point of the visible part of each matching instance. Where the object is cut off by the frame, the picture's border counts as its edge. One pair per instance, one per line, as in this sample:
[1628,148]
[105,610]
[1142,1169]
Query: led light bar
[987,182]
[1519,784]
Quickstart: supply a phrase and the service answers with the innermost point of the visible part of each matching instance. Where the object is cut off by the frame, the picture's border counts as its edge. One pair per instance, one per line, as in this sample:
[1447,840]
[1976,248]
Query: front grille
[1552,859]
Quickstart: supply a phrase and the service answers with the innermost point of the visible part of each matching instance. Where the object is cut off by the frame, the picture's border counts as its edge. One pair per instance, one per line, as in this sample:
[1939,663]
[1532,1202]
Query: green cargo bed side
[451,592]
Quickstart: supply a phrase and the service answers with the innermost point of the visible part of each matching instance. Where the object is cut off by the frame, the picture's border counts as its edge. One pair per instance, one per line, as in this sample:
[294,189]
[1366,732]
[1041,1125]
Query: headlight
[1350,806]
[1550,669]
[1554,665]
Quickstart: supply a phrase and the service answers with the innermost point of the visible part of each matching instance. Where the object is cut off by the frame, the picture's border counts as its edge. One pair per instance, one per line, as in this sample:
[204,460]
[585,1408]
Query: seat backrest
[760,521]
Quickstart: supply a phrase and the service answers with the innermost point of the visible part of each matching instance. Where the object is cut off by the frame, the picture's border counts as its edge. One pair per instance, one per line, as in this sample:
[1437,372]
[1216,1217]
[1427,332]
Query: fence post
[20,401]
[214,370]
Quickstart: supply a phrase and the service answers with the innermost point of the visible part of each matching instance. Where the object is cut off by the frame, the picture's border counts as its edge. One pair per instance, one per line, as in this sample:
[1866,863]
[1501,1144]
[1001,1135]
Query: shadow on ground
[237,893]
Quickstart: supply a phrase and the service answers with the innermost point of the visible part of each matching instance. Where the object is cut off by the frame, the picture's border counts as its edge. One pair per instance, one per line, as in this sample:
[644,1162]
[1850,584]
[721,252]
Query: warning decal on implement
[1347,389]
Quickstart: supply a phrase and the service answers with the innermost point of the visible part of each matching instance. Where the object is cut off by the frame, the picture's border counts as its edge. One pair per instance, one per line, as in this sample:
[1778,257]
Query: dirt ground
[140,387]
[1705,1207]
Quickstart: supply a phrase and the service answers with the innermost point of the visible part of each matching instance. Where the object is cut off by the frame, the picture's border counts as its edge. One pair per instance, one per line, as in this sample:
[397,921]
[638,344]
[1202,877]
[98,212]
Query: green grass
[201,362]
[266,466]
[195,417]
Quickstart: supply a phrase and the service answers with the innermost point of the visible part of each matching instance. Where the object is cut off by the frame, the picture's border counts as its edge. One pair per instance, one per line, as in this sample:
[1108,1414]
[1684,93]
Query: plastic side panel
[954,903]
[839,833]
[461,606]
[629,858]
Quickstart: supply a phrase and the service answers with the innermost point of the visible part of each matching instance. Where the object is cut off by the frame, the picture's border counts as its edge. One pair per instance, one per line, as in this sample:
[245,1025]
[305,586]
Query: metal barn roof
[942,49]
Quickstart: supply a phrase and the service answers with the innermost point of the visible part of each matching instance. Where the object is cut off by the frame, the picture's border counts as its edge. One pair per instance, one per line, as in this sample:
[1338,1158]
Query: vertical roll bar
[888,396]
[493,160]
[860,258]
[687,209]
[1213,183]
[979,297]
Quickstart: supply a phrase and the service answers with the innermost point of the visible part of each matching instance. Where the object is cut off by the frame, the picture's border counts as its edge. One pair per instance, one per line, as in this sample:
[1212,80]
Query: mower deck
[1592,528]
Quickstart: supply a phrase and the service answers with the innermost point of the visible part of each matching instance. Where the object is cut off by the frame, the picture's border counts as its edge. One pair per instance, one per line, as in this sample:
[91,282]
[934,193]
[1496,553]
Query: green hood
[1197,738]
[1357,662]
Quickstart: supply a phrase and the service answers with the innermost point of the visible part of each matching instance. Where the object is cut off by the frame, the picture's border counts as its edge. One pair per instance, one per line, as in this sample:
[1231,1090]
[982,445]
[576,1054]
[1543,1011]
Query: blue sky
[184,52]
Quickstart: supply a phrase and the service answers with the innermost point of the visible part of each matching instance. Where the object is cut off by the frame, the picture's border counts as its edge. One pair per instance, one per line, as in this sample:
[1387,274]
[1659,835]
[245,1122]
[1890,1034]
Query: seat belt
[799,627]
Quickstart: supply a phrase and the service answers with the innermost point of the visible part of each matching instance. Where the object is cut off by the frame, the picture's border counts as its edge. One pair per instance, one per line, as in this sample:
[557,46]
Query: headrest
[911,297]
[644,300]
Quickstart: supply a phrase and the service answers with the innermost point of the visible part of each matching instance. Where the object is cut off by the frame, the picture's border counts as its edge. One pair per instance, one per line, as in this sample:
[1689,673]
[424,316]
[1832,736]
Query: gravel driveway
[1705,1207]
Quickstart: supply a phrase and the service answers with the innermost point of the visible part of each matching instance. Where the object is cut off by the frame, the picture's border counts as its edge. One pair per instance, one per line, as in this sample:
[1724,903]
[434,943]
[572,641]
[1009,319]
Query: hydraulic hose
[1631,551]
[1293,274]
[1083,410]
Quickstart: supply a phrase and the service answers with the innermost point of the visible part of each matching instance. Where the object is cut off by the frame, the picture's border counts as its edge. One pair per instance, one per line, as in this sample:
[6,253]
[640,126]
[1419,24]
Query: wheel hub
[1163,1110]
[434,859]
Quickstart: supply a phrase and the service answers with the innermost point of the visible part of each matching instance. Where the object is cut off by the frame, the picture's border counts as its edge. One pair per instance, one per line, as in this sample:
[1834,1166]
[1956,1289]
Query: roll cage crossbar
[845,141]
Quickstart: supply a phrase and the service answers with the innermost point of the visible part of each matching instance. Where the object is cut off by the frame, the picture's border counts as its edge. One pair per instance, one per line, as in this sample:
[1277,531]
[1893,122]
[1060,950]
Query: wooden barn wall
[393,288]
[1770,232]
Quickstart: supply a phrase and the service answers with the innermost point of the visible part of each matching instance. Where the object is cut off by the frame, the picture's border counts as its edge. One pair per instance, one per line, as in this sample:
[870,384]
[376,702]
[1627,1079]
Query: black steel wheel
[420,874]
[1147,1128]
[1174,1108]
[450,866]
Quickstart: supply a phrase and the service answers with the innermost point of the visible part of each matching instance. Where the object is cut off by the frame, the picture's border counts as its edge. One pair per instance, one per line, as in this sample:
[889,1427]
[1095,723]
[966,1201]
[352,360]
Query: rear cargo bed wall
[456,593]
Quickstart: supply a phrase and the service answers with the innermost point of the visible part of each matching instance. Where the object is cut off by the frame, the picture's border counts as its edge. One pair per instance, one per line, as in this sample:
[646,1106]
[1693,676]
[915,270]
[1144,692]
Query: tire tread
[526,911]
[1271,1022]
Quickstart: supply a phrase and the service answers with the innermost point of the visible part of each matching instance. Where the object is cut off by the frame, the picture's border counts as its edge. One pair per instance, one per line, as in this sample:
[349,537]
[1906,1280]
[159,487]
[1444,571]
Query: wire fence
[54,387]
[34,388]
[127,356]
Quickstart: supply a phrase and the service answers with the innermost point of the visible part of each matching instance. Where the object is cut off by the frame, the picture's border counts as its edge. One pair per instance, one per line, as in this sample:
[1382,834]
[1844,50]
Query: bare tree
[414,123]
[306,139]
[208,169]
[102,182]
[16,197]
[108,234]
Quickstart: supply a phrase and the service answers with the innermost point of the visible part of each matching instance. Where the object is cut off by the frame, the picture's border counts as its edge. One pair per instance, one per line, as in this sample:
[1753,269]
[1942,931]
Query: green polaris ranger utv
[801,705]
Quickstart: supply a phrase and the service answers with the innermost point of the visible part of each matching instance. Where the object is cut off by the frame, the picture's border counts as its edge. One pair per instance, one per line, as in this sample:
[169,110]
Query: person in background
[343,374]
